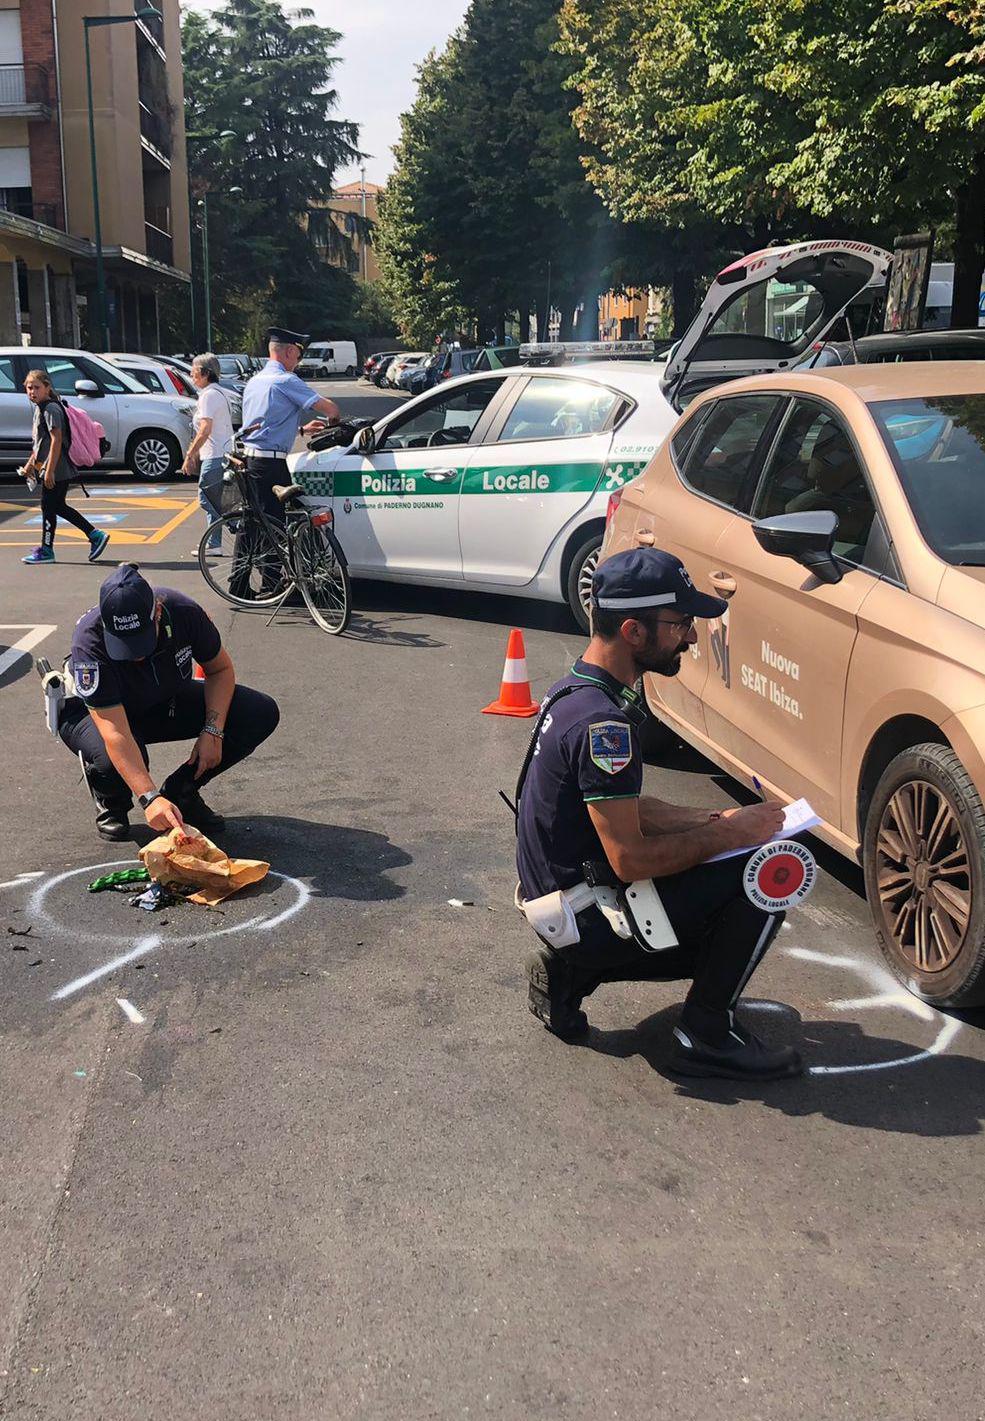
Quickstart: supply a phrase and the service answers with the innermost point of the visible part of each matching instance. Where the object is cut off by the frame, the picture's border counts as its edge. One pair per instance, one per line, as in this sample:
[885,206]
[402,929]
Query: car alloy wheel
[585,575]
[152,458]
[923,876]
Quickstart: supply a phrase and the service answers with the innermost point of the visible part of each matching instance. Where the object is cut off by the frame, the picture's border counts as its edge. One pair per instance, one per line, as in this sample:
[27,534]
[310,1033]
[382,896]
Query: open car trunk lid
[763,311]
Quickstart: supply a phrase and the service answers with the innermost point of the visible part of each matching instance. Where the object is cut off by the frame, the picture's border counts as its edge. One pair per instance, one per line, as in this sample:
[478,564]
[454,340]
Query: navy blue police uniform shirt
[587,751]
[185,635]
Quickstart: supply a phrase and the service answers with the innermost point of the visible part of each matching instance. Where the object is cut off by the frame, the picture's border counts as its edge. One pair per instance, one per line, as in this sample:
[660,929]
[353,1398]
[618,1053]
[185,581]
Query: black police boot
[112,822]
[552,996]
[180,788]
[740,1057]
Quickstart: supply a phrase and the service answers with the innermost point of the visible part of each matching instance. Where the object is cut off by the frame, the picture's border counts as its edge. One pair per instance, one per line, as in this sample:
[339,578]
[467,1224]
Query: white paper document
[797,819]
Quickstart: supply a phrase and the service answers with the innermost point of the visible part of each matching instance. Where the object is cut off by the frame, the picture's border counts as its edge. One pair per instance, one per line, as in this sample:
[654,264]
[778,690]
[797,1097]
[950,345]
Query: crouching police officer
[132,663]
[584,829]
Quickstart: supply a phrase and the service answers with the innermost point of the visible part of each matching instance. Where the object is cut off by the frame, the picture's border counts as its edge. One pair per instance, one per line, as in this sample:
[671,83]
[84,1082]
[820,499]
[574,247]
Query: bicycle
[260,562]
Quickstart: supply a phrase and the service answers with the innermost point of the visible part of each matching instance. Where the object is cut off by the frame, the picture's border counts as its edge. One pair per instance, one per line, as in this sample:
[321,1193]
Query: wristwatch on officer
[147,799]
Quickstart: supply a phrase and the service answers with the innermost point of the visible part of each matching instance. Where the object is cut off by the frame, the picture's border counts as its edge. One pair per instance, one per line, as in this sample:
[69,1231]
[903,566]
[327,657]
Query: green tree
[264,75]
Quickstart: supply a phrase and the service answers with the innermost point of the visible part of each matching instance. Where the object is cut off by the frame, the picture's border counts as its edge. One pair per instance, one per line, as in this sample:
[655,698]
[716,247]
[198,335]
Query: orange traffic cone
[198,674]
[514,691]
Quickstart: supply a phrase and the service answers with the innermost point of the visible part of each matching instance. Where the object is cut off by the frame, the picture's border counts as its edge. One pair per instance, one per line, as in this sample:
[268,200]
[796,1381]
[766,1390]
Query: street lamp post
[92,22]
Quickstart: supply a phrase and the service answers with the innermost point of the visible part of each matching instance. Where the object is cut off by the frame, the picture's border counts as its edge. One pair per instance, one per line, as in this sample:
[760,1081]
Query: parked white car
[324,358]
[146,433]
[162,377]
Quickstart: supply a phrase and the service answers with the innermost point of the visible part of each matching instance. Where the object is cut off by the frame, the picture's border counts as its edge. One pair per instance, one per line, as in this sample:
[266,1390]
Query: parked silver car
[165,377]
[146,433]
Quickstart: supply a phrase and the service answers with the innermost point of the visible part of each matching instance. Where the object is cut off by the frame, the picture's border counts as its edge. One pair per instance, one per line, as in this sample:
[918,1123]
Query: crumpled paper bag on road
[195,860]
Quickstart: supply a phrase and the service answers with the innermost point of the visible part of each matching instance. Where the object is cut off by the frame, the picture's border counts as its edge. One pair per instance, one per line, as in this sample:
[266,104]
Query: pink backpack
[85,436]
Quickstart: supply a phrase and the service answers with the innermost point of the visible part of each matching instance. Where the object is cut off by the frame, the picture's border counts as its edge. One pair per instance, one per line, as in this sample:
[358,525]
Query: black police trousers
[263,474]
[721,937]
[252,717]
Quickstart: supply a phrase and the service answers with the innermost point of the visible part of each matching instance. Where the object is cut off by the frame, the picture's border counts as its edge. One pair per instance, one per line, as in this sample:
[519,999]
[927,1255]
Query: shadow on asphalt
[334,860]
[933,1096]
[462,605]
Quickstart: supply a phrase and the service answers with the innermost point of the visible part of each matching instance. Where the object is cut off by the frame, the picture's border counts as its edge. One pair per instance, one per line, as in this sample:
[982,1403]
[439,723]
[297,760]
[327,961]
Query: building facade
[359,200]
[628,315]
[47,223]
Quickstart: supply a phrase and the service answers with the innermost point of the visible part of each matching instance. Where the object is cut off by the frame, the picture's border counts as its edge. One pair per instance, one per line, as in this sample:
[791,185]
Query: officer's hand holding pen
[754,824]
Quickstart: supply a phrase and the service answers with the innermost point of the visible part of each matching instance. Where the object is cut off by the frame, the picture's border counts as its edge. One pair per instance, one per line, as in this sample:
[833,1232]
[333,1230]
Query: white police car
[500,481]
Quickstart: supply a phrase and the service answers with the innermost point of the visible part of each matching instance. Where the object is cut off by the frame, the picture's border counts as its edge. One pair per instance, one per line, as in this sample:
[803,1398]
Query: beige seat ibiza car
[842,514]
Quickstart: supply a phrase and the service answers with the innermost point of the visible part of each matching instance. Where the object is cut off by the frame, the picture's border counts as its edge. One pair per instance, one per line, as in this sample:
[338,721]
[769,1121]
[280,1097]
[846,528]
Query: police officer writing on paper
[274,402]
[582,820]
[132,664]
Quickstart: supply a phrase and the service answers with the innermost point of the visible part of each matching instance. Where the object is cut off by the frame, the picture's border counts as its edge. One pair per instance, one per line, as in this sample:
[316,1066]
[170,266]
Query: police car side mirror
[86,388]
[365,441]
[807,537]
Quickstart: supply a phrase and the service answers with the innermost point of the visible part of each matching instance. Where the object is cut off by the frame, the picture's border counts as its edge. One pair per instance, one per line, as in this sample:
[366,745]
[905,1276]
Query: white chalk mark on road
[22,880]
[130,1011]
[34,633]
[887,993]
[145,945]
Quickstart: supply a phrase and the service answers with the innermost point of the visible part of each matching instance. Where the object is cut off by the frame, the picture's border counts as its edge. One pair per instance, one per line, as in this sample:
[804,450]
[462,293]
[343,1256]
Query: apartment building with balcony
[47,226]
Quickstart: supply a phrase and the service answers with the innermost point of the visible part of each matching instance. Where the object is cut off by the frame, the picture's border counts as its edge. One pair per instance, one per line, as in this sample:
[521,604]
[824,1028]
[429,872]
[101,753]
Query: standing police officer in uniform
[581,817]
[132,662]
[274,401]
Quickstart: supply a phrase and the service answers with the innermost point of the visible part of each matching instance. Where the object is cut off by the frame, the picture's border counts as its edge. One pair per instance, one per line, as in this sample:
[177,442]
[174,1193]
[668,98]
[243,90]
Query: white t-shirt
[213,405]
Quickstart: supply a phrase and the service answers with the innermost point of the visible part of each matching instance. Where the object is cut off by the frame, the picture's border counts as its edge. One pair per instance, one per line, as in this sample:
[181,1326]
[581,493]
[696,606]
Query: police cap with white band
[647,579]
[127,603]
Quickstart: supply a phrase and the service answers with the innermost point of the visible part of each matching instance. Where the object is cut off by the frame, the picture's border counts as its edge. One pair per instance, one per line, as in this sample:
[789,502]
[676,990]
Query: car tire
[153,454]
[923,855]
[580,569]
[350,370]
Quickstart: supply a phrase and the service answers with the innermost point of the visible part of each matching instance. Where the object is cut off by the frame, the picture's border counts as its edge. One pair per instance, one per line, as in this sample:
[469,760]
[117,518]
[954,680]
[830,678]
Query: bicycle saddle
[285,491]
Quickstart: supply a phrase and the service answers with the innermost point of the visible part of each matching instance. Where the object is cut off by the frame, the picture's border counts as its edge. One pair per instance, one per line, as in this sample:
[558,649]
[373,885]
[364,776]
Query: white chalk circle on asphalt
[41,913]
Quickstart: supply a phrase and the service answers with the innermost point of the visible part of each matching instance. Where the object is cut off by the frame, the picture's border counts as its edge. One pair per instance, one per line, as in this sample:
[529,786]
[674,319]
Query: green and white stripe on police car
[480,478]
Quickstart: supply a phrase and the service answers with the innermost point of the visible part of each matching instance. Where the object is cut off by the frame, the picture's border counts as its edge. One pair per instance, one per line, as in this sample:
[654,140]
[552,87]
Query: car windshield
[938,447]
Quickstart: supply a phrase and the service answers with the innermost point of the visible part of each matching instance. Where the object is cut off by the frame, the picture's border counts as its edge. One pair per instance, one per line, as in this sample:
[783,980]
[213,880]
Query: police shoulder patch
[610,745]
[86,677]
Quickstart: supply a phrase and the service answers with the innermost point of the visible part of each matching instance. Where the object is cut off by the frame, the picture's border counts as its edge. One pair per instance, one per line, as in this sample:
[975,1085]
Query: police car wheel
[923,853]
[579,583]
[153,454]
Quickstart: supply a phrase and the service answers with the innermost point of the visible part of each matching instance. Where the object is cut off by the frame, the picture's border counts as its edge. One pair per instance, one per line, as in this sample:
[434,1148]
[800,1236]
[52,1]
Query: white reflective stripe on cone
[515,671]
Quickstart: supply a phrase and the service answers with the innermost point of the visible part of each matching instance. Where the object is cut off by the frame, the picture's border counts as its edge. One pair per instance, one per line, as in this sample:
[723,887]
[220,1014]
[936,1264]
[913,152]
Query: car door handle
[441,476]
[723,583]
[644,537]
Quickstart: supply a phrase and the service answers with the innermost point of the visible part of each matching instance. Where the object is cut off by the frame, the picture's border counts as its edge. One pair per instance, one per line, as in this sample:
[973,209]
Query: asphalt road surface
[336,1170]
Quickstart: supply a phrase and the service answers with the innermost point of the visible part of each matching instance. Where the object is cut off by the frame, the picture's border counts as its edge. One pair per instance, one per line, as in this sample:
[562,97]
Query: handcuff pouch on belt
[632,910]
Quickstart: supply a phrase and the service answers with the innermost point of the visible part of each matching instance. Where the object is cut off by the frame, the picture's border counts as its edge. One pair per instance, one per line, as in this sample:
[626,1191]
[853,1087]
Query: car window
[150,379]
[558,409]
[64,372]
[684,438]
[448,419]
[108,378]
[937,445]
[782,311]
[723,457]
[814,467]
[8,382]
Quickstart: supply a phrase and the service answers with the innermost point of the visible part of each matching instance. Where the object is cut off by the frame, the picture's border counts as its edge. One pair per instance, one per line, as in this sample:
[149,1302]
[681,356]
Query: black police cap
[282,336]
[646,578]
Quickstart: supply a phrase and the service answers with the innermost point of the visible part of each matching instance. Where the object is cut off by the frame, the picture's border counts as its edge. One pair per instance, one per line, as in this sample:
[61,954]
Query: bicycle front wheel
[322,576]
[240,559]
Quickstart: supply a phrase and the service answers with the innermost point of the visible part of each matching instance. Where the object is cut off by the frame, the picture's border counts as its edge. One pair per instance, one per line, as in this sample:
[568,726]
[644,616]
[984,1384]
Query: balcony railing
[154,27]
[47,212]
[24,87]
[155,129]
[159,245]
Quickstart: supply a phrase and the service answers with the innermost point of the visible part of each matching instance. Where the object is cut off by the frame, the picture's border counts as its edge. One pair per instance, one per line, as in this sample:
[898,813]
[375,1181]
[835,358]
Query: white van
[328,357]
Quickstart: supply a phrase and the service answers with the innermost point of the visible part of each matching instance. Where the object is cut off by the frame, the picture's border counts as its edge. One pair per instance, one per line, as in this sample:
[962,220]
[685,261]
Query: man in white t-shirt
[213,438]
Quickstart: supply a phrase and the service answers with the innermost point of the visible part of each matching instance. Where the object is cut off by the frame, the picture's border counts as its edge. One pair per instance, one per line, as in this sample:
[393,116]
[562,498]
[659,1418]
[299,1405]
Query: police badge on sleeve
[86,677]
[609,745]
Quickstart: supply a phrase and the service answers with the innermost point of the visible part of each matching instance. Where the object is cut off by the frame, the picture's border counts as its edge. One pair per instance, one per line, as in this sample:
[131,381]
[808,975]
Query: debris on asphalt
[461,903]
[157,896]
[21,932]
[194,862]
[130,1011]
[36,963]
[120,881]
[80,1075]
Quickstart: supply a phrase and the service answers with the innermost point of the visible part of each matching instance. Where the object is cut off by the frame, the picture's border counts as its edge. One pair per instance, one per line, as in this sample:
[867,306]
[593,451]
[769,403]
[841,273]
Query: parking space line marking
[175,522]
[25,645]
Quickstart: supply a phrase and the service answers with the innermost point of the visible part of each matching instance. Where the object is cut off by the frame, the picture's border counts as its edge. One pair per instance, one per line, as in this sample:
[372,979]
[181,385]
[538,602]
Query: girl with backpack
[50,459]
